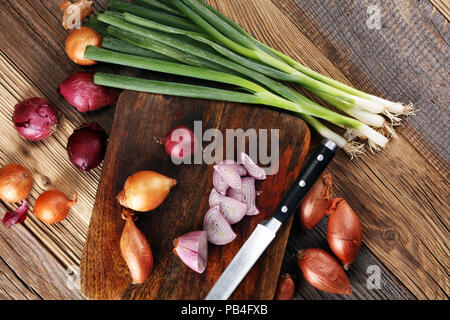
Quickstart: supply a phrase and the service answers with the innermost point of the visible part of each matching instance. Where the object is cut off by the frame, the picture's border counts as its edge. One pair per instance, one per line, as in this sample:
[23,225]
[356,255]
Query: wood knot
[390,236]
[43,180]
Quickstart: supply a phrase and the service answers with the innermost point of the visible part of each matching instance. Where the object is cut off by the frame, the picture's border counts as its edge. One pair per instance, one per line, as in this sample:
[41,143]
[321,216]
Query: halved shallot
[246,194]
[218,229]
[232,209]
[192,249]
[252,168]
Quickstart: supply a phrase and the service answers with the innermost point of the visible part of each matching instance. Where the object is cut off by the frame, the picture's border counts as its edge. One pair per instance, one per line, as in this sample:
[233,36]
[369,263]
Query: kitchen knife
[265,232]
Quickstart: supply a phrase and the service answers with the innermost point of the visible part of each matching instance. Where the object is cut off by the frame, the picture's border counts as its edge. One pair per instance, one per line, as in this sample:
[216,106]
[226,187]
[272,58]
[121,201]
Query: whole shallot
[344,231]
[135,249]
[323,271]
[315,204]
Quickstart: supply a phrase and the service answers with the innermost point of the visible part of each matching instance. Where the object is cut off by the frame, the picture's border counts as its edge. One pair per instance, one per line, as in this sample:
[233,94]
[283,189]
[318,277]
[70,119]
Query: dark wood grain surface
[401,195]
[138,120]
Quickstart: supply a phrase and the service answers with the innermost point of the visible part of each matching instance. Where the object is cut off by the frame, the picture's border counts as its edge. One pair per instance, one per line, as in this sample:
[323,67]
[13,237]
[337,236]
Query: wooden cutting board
[139,118]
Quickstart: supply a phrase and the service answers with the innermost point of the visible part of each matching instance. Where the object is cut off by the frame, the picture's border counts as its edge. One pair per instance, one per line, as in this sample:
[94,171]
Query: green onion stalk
[227,33]
[191,38]
[162,42]
[344,105]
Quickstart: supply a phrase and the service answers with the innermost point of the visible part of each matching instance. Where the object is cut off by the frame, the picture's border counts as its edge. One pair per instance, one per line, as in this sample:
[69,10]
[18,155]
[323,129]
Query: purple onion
[81,92]
[252,168]
[217,227]
[246,194]
[87,146]
[35,119]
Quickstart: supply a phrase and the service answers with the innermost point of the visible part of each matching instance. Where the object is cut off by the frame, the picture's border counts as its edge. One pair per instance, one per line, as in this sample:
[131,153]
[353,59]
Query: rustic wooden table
[400,194]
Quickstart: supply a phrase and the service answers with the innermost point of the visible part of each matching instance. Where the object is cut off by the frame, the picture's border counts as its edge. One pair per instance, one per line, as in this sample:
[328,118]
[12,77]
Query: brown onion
[16,183]
[53,206]
[145,190]
[315,204]
[285,288]
[344,232]
[323,271]
[135,249]
[78,40]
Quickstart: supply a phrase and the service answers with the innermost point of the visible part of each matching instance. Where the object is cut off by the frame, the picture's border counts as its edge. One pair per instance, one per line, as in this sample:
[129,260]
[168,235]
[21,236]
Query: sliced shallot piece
[192,249]
[246,194]
[214,198]
[219,183]
[217,227]
[252,168]
[240,169]
[229,174]
[232,209]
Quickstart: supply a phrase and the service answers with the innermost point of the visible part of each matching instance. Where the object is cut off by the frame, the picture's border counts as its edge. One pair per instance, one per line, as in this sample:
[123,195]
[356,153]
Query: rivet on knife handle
[315,166]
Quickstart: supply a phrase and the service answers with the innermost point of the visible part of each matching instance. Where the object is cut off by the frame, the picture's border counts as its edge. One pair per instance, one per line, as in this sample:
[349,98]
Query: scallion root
[354,149]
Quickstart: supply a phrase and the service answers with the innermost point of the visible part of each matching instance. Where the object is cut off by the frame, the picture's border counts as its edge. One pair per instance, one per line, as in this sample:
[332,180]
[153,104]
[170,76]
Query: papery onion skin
[86,146]
[78,40]
[17,216]
[16,183]
[323,271]
[344,232]
[81,92]
[35,118]
[316,202]
[285,288]
[135,249]
[145,190]
[179,140]
[53,206]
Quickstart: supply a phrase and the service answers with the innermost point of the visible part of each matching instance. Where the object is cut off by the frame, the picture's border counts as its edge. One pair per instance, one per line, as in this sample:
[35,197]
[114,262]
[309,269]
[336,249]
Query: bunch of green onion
[190,38]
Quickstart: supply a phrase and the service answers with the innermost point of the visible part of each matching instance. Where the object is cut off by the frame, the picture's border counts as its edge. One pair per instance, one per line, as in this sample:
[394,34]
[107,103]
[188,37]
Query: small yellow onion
[53,206]
[76,44]
[145,190]
[16,183]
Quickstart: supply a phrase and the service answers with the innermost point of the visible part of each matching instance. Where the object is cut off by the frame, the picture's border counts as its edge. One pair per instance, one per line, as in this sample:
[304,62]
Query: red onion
[246,194]
[18,216]
[35,118]
[229,174]
[81,92]
[252,168]
[180,143]
[192,249]
[218,229]
[219,183]
[232,209]
[344,231]
[87,146]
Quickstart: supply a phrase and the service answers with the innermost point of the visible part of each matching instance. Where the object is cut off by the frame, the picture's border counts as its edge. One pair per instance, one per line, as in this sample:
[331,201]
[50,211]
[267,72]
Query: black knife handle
[315,166]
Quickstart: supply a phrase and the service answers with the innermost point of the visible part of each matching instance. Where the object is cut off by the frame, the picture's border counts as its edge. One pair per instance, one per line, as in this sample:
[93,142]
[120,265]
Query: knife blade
[266,231]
